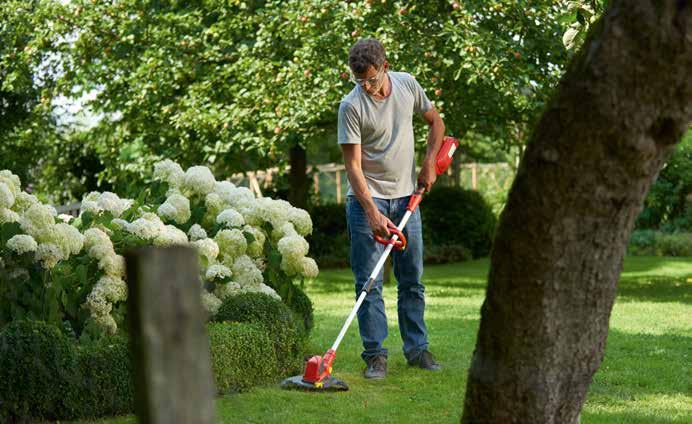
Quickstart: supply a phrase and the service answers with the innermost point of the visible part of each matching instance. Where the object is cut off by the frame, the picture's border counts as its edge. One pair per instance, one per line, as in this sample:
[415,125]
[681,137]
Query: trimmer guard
[328,384]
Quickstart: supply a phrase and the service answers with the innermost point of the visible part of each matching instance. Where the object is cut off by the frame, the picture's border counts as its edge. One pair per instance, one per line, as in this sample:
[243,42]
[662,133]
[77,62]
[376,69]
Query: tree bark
[624,102]
[298,179]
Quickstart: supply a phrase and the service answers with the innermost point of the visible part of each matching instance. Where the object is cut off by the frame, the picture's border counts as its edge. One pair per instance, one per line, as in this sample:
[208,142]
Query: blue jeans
[408,269]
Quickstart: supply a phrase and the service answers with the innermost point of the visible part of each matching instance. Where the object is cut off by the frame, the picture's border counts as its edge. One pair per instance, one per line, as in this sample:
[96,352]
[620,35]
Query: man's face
[371,80]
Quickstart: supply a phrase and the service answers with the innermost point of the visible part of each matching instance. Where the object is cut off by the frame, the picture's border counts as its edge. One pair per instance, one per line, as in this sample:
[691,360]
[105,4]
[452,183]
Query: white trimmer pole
[371,281]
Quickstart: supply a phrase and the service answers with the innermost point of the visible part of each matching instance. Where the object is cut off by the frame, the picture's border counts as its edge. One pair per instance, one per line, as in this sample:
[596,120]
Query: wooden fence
[330,183]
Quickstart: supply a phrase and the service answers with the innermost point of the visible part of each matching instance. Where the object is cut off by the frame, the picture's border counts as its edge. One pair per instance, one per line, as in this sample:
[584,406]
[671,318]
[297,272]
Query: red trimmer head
[317,375]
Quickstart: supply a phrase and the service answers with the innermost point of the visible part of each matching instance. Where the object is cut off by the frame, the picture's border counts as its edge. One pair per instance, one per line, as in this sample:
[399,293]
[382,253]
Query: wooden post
[316,181]
[338,186]
[474,176]
[169,342]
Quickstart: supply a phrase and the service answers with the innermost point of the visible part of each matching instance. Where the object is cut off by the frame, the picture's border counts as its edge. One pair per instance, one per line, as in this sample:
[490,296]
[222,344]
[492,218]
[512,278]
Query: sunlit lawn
[646,376]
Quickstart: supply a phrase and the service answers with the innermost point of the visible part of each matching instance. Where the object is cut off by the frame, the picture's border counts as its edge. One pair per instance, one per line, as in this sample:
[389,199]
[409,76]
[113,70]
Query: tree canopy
[235,84]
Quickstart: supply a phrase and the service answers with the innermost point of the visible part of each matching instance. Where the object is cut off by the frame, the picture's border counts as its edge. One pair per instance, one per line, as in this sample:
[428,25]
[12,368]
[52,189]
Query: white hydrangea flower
[263,288]
[6,196]
[245,272]
[37,219]
[284,230]
[112,203]
[211,303]
[23,201]
[111,289]
[97,304]
[12,182]
[207,248]
[169,172]
[147,227]
[292,266]
[231,288]
[120,224]
[48,254]
[166,210]
[196,232]
[171,235]
[218,271]
[95,237]
[232,243]
[69,239]
[177,208]
[256,248]
[113,265]
[214,203]
[238,197]
[223,189]
[107,323]
[90,203]
[309,268]
[274,211]
[293,247]
[301,221]
[65,218]
[8,215]
[230,218]
[22,243]
[252,213]
[199,179]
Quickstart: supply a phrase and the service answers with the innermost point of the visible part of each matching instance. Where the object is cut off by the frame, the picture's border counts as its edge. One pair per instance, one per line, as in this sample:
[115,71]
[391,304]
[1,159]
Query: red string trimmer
[318,369]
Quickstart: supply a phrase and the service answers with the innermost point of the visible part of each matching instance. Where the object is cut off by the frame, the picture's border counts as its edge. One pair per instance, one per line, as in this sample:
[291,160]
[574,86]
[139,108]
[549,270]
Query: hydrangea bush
[72,272]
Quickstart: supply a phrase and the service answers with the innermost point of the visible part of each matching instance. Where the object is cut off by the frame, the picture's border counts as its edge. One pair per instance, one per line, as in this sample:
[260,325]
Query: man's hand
[378,223]
[427,176]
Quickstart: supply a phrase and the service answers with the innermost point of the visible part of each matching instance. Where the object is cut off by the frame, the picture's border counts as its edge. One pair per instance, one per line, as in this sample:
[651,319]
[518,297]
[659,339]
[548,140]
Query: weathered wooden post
[173,379]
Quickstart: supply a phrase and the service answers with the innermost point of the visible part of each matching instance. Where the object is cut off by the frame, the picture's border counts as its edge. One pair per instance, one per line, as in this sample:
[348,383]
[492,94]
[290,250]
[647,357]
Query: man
[375,132]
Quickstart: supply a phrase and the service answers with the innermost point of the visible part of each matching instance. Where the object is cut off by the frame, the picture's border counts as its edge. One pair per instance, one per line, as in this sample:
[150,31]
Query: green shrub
[458,217]
[287,338]
[656,243]
[242,355]
[329,243]
[106,379]
[301,305]
[668,206]
[445,254]
[38,373]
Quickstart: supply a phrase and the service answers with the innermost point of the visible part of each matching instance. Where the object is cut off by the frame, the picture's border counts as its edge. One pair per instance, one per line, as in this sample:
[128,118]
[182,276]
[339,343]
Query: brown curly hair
[366,52]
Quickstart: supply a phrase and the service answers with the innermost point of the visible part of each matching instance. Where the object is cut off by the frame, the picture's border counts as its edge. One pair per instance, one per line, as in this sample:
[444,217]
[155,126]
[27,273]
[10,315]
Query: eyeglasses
[372,81]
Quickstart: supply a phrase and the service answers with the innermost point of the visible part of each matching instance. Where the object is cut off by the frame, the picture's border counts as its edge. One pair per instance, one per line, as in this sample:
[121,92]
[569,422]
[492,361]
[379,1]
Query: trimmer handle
[442,162]
[399,244]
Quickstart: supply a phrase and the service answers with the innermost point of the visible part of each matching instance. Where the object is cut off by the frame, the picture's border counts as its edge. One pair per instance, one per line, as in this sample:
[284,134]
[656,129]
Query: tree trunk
[624,102]
[298,179]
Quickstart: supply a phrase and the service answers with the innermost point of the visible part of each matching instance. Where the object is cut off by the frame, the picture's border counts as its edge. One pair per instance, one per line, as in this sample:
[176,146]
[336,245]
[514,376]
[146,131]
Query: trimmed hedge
[45,376]
[38,373]
[106,379]
[242,355]
[285,331]
[458,217]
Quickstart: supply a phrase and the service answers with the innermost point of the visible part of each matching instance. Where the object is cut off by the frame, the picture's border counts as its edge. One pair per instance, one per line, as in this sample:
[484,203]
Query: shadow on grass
[654,289]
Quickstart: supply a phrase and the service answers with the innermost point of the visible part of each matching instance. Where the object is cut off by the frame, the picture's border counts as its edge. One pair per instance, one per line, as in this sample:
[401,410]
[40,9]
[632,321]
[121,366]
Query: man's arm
[436,133]
[376,220]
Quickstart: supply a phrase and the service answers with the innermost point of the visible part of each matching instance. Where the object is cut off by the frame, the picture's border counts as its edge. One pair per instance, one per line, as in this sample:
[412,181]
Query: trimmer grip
[399,244]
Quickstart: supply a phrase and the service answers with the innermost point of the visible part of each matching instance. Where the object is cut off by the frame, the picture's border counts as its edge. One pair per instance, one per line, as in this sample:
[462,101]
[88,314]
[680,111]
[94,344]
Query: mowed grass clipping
[646,376]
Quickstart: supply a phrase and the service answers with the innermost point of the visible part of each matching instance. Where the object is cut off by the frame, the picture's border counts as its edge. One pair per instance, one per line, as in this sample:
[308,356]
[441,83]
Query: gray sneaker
[426,361]
[377,368]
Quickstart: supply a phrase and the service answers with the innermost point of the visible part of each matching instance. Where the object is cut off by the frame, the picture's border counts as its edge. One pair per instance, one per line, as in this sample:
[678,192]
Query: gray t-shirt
[384,128]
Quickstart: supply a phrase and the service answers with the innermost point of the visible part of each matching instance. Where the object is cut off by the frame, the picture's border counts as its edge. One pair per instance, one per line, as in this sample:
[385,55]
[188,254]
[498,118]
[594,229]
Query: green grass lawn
[646,376]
